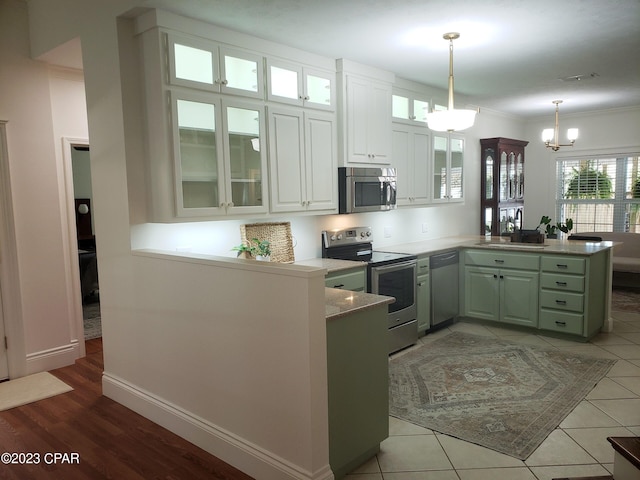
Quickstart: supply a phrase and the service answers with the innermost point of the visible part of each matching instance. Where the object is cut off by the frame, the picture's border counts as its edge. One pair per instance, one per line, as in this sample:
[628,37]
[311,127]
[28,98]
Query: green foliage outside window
[587,182]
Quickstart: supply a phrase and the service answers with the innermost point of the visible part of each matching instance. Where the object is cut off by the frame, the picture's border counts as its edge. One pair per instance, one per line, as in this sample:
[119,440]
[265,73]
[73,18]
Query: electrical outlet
[387,232]
[425,228]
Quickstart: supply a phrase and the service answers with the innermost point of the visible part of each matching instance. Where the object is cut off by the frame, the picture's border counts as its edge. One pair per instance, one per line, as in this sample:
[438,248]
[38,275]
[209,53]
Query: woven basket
[277,234]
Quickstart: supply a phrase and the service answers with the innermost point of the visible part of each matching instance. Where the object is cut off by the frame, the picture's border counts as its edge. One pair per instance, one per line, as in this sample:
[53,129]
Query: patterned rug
[91,318]
[505,396]
[625,299]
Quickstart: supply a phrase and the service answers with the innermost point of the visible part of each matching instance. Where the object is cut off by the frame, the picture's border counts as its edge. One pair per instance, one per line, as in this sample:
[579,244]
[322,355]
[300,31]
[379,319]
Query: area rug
[30,389]
[501,395]
[92,319]
[625,299]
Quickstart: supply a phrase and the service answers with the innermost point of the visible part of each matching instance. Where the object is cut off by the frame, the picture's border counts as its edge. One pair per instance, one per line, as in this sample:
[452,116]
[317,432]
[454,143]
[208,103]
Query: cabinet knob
[225,82]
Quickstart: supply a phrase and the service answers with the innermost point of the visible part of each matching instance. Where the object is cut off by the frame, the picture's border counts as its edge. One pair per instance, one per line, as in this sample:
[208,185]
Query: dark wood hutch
[502,185]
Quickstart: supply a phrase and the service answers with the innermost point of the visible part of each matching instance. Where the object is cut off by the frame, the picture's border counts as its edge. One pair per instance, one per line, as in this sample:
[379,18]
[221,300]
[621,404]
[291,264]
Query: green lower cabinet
[481,293]
[502,295]
[574,293]
[354,279]
[423,303]
[358,384]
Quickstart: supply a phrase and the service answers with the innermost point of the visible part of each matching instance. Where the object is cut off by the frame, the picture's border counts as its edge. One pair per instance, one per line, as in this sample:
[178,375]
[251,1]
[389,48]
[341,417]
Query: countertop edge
[568,247]
[340,303]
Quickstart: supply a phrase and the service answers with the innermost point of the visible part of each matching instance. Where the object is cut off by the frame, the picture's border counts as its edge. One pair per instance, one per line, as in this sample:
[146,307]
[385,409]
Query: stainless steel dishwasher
[444,287]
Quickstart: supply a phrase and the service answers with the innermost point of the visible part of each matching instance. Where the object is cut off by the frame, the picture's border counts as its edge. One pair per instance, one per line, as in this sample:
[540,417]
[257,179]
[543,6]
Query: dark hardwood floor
[112,442]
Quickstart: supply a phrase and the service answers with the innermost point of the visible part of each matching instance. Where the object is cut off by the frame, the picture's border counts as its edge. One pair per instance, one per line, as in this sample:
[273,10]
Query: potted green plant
[547,227]
[258,249]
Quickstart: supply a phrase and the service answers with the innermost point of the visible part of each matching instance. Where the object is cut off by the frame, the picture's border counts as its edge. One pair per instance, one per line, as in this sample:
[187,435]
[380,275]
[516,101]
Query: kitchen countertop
[339,303]
[331,264]
[503,244]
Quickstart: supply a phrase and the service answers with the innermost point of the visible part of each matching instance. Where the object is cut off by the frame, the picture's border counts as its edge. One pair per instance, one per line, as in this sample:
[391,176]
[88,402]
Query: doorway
[81,229]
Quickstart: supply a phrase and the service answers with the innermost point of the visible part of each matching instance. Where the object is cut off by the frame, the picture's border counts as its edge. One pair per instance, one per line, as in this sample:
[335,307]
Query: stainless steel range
[391,274]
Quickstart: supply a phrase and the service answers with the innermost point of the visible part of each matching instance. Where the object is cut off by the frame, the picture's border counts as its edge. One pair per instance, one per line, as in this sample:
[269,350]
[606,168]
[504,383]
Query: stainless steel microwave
[366,189]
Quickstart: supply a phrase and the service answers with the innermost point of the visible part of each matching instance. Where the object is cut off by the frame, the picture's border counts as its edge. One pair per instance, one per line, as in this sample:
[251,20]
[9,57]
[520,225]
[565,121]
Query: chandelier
[549,134]
[451,119]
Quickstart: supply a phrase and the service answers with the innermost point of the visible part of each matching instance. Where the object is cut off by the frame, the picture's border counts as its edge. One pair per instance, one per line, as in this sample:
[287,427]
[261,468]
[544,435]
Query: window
[600,193]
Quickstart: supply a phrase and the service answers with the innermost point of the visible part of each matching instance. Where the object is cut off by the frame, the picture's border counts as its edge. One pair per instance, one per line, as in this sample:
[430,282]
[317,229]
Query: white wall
[32,102]
[601,132]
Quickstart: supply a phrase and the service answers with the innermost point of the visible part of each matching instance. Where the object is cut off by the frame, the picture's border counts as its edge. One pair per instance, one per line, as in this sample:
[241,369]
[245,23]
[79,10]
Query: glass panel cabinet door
[197,164]
[284,82]
[504,178]
[400,107]
[519,177]
[456,168]
[488,169]
[420,110]
[409,109]
[440,178]
[243,132]
[298,85]
[241,73]
[319,89]
[192,63]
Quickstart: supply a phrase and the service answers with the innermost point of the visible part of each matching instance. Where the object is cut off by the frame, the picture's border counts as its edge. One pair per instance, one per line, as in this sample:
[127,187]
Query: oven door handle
[395,266]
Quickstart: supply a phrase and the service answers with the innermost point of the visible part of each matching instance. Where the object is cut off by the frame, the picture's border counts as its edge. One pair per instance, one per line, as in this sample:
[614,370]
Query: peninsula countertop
[339,303]
[504,244]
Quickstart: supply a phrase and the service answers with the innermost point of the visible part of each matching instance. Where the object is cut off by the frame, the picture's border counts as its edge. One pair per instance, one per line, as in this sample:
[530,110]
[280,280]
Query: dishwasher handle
[443,259]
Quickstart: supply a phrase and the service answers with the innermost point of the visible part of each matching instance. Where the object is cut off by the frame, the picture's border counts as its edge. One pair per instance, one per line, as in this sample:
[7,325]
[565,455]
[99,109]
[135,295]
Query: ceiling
[510,56]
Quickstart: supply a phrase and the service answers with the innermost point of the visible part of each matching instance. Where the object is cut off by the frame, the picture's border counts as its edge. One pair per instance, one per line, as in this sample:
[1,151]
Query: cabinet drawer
[562,264]
[556,281]
[423,265]
[355,280]
[521,261]
[562,300]
[566,322]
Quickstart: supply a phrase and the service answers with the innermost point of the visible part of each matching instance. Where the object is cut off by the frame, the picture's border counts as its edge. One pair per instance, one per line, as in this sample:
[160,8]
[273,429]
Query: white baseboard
[53,358]
[232,449]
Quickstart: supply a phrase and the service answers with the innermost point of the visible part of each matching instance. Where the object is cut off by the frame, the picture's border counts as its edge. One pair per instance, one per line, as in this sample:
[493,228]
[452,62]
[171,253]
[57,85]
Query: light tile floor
[578,447]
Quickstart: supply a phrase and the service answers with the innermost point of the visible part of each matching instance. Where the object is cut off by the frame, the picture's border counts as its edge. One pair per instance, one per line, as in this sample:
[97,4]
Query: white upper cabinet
[302,160]
[368,123]
[409,107]
[219,157]
[411,157]
[448,168]
[206,65]
[299,85]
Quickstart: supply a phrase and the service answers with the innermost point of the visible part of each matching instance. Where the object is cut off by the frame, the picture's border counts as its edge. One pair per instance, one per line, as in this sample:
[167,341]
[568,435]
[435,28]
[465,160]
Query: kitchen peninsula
[297,365]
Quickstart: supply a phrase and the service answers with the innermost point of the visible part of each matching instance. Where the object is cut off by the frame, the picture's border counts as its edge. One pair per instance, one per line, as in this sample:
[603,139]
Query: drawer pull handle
[561,284]
[561,302]
[340,285]
[498,261]
[561,265]
[561,324]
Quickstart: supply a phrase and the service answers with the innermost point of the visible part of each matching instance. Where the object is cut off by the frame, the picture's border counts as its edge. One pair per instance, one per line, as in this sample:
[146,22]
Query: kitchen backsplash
[389,228]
